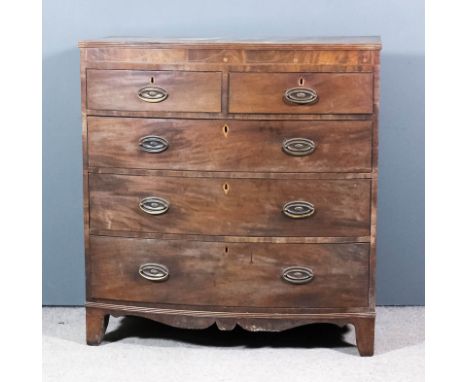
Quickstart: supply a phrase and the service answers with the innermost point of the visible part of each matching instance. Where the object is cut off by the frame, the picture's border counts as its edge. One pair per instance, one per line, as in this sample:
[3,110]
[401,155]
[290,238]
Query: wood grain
[312,57]
[196,66]
[231,272]
[316,43]
[96,324]
[219,145]
[232,174]
[229,116]
[365,328]
[235,238]
[250,312]
[250,207]
[188,91]
[339,93]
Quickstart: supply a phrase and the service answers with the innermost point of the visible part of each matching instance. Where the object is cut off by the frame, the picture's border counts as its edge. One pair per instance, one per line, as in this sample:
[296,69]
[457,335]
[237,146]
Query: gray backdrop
[400,273]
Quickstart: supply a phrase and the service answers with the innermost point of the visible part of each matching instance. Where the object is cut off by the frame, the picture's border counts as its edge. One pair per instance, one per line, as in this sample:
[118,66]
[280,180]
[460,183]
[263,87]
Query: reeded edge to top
[340,43]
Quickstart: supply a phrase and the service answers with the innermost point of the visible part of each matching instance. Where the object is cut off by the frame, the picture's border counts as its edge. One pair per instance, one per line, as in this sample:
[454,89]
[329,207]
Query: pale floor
[135,349]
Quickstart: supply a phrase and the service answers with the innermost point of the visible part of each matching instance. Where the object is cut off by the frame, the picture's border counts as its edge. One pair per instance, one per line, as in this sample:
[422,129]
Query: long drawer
[257,275]
[244,207]
[217,145]
[301,93]
[163,91]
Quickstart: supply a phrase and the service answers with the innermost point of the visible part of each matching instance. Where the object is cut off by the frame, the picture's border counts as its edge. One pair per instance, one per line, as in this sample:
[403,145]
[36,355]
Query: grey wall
[400,275]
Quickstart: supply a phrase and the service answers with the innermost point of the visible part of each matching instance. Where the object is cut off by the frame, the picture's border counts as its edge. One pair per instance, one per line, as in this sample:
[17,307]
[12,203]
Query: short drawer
[234,274]
[163,91]
[216,206]
[217,145]
[301,93]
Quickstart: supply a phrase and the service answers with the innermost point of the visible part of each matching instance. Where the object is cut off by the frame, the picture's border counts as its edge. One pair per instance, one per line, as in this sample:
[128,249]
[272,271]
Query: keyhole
[301,81]
[226,188]
[152,80]
[226,249]
[225,130]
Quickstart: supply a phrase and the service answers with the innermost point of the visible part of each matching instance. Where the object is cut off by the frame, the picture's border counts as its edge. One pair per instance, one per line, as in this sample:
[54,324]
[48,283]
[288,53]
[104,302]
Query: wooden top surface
[328,42]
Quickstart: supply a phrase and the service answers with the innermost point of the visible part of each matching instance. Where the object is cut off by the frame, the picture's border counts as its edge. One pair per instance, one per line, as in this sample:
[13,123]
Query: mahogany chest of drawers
[231,183]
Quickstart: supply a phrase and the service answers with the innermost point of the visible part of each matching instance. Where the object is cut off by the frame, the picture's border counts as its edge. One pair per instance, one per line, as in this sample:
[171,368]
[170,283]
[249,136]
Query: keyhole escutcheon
[225,130]
[226,188]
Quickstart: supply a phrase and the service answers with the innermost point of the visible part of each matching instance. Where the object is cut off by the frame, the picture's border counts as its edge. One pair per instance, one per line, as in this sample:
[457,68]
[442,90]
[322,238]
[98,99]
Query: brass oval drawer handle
[297,275]
[154,272]
[300,96]
[152,94]
[154,206]
[298,209]
[153,144]
[299,146]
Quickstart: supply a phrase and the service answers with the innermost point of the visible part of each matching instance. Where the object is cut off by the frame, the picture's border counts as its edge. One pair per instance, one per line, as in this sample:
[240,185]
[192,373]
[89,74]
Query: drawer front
[214,145]
[171,91]
[235,274]
[244,207]
[321,93]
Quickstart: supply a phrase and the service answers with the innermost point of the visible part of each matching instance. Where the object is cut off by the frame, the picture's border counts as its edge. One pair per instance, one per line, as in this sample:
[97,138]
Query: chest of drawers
[231,183]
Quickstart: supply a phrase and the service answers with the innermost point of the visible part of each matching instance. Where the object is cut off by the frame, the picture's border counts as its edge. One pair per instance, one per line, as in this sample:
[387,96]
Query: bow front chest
[231,183]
